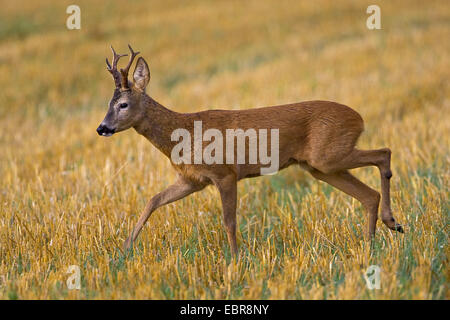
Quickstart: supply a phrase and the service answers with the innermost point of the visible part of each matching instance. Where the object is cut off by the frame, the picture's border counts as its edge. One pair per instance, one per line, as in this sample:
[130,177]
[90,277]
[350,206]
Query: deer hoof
[127,245]
[397,227]
[391,224]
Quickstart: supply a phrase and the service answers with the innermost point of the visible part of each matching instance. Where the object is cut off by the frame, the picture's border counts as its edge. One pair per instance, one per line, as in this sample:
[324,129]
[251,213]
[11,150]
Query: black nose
[103,130]
[100,129]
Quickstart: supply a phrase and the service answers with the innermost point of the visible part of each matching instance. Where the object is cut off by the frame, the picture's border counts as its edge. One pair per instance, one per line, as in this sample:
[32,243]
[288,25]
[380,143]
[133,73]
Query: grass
[68,197]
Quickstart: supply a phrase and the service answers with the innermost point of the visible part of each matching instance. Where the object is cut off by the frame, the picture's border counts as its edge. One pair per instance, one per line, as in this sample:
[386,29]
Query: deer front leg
[180,189]
[228,193]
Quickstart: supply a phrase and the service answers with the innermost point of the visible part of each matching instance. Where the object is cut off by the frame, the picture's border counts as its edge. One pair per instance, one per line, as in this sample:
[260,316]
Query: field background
[70,197]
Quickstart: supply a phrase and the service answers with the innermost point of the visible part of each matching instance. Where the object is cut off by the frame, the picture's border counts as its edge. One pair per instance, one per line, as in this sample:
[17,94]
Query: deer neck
[158,123]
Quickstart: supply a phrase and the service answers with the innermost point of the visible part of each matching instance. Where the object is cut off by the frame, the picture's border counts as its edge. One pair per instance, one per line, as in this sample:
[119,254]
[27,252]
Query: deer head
[125,108]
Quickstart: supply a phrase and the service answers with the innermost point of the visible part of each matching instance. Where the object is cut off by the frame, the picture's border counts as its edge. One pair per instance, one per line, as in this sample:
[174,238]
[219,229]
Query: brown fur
[320,136]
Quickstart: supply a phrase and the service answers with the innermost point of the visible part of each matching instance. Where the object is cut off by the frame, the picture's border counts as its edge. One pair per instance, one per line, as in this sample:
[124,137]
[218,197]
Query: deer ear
[141,74]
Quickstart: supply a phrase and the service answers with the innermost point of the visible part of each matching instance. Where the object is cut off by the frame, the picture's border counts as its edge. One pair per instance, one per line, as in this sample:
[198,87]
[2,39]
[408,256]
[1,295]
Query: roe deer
[320,136]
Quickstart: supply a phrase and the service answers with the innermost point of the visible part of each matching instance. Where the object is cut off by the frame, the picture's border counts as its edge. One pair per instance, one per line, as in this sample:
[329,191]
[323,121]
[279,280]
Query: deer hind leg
[180,189]
[349,184]
[380,158]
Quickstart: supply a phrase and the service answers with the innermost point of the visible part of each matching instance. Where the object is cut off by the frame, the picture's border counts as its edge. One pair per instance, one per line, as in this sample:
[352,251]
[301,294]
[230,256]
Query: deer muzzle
[105,131]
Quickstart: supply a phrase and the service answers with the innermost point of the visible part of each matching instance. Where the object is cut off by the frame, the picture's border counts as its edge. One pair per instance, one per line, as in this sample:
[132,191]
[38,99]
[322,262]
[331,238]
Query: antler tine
[113,69]
[124,72]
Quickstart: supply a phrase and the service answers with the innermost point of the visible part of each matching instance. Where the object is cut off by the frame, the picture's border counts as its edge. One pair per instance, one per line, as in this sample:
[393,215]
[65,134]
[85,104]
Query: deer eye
[123,105]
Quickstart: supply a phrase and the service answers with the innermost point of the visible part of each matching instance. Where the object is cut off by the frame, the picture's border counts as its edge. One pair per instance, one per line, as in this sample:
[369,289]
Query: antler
[113,70]
[124,72]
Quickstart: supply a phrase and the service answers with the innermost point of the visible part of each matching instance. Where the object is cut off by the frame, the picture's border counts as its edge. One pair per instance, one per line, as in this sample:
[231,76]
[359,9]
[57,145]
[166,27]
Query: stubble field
[69,197]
